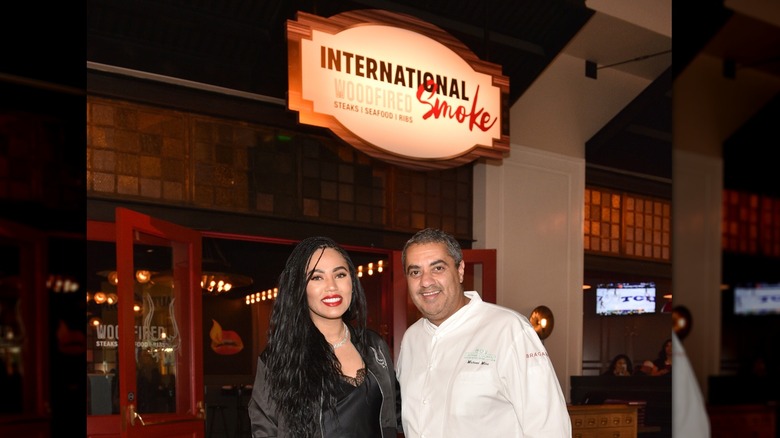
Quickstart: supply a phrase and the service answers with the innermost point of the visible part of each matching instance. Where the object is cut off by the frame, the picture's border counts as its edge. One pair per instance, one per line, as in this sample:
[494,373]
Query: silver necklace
[344,339]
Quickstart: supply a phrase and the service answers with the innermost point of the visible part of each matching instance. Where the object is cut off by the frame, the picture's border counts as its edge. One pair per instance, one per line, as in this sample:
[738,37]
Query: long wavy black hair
[302,370]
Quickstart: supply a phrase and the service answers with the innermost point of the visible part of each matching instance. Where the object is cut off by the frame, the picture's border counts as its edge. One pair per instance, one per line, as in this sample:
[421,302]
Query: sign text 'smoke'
[397,88]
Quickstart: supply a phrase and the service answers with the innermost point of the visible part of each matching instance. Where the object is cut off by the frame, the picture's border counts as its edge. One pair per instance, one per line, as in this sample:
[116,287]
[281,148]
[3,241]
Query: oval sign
[399,89]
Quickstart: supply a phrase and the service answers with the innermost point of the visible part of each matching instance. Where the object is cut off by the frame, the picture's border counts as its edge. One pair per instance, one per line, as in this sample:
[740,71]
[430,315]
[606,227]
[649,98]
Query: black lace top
[358,409]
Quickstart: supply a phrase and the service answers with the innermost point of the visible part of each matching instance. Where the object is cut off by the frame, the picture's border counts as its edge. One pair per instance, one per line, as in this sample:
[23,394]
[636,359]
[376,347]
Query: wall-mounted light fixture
[682,321]
[543,321]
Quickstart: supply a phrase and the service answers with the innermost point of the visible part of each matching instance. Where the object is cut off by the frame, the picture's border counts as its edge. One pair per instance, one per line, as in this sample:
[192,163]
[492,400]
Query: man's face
[434,281]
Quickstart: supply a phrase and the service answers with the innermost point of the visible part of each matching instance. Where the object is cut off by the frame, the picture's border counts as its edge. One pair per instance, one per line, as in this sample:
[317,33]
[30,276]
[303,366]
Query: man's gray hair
[433,235]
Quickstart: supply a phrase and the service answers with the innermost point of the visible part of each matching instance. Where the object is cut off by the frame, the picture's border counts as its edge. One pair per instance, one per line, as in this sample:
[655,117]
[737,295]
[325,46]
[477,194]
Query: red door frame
[188,420]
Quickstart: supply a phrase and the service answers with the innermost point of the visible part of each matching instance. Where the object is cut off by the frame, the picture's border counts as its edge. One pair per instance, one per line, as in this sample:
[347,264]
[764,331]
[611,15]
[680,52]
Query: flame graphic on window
[225,342]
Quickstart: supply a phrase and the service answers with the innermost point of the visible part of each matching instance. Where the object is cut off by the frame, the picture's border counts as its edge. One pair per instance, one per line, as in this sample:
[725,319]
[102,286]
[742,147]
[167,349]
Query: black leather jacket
[262,412]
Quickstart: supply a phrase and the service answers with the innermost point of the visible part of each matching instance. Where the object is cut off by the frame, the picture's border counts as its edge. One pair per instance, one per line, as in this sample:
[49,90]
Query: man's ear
[461,270]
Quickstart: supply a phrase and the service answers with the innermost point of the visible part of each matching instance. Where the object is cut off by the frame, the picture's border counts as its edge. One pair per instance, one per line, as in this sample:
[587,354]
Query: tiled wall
[627,225]
[160,155]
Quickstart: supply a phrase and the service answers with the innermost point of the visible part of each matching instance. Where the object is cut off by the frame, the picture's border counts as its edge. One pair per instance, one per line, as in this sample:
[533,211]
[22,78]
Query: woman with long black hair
[323,373]
[619,366]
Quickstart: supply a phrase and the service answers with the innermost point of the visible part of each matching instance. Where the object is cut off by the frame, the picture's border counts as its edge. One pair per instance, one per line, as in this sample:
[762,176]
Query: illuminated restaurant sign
[397,88]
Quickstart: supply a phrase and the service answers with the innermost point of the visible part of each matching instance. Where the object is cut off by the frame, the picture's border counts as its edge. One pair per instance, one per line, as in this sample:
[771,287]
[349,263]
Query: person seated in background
[662,364]
[620,366]
[754,367]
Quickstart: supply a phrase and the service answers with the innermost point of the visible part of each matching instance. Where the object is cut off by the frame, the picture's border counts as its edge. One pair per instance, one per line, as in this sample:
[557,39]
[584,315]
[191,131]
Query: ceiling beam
[466,28]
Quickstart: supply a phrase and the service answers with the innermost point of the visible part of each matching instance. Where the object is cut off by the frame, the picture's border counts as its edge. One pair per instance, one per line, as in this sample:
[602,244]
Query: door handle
[134,415]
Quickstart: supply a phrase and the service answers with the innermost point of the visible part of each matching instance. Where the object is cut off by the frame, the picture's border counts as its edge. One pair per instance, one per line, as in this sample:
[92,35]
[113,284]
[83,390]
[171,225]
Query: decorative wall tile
[144,152]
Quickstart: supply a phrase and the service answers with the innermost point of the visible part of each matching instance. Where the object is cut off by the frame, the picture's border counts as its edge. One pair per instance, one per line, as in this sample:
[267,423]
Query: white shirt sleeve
[534,389]
[690,417]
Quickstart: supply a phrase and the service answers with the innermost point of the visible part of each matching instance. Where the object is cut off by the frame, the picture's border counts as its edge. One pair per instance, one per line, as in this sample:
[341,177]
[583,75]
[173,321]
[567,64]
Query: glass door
[144,360]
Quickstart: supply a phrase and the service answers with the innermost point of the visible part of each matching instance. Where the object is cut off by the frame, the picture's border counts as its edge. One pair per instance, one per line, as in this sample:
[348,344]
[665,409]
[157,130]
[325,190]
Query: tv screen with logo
[757,299]
[625,298]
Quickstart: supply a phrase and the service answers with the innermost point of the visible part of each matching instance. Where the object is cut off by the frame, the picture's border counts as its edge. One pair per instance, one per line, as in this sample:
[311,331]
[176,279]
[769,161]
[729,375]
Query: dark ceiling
[748,43]
[241,44]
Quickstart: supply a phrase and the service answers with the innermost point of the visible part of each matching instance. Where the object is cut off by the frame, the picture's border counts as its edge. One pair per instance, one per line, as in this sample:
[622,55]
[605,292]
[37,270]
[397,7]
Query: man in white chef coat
[469,368]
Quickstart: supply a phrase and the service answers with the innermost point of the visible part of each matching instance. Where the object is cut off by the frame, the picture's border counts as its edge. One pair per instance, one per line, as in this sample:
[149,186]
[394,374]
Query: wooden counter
[655,392]
[603,421]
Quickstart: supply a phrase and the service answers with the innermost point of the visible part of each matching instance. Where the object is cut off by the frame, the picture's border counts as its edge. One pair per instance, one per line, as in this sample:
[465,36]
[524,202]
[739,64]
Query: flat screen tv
[757,299]
[625,298]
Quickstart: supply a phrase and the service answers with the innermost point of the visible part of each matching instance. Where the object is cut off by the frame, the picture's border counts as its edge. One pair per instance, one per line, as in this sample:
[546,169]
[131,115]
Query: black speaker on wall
[591,69]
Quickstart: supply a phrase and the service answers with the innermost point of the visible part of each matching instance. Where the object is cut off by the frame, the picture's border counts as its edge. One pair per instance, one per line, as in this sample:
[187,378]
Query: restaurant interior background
[59,213]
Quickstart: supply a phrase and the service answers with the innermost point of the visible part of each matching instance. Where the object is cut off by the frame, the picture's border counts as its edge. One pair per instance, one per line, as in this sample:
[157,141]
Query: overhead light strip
[183,83]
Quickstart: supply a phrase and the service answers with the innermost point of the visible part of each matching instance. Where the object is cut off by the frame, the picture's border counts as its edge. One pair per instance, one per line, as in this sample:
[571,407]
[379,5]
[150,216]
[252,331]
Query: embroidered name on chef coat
[536,354]
[479,357]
